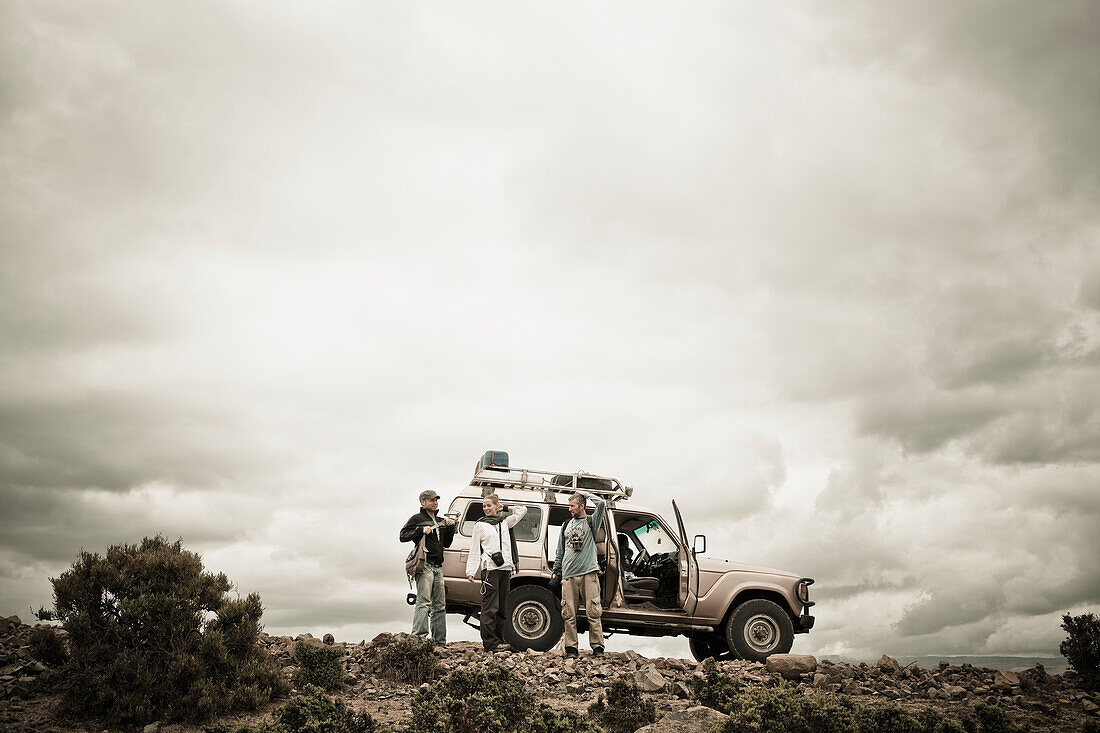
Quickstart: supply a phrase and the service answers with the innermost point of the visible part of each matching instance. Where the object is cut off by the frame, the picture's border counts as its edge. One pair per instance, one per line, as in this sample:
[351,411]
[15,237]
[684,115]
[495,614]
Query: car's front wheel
[759,628]
[534,618]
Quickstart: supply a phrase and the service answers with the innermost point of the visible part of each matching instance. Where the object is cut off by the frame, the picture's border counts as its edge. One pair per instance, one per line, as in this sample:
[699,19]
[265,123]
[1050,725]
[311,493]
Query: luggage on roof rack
[489,475]
[494,460]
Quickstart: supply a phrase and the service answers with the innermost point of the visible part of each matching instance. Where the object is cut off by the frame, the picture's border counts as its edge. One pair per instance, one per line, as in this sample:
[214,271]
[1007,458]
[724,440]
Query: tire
[709,646]
[534,618]
[759,628]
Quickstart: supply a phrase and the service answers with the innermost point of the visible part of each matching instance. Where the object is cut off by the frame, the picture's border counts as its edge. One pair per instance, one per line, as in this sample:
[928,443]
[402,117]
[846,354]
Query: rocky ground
[1047,702]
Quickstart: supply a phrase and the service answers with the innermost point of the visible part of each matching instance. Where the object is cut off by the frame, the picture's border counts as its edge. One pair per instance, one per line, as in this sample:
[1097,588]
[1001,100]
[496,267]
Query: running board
[664,626]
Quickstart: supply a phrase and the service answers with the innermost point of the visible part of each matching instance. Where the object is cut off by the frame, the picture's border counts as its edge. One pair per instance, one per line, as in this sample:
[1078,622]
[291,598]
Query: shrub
[310,711]
[992,719]
[1082,648]
[47,647]
[625,710]
[784,709]
[490,700]
[154,637]
[409,659]
[714,689]
[319,665]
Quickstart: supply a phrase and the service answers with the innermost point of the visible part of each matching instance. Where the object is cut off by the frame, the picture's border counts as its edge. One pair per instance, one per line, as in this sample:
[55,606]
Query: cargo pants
[573,590]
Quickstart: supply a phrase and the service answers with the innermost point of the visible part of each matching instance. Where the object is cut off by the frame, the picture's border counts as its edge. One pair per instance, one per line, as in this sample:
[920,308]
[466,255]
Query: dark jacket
[434,542]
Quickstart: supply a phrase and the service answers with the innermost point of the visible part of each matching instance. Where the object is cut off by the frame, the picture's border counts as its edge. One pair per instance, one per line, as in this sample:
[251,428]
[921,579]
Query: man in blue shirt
[576,566]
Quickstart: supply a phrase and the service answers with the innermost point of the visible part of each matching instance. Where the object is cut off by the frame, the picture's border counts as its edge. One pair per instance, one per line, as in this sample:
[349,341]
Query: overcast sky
[826,273]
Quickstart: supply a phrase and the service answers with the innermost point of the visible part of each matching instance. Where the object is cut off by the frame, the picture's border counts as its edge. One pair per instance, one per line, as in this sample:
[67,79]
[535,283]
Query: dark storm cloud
[53,525]
[117,442]
[1042,57]
[926,424]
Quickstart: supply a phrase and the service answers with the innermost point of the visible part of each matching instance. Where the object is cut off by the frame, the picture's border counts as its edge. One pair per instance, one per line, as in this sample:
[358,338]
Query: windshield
[654,538]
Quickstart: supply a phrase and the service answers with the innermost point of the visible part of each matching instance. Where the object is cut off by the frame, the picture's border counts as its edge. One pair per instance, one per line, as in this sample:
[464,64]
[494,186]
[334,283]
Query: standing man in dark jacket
[431,603]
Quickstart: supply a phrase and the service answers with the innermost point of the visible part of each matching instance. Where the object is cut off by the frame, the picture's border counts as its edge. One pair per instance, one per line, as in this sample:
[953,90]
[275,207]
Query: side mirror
[699,546]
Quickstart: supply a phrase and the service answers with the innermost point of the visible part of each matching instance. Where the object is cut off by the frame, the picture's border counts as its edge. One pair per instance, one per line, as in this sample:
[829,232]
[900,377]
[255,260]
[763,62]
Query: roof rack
[549,483]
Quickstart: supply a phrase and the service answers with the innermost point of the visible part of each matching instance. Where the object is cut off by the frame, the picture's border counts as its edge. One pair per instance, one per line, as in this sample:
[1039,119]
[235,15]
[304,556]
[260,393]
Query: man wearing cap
[431,604]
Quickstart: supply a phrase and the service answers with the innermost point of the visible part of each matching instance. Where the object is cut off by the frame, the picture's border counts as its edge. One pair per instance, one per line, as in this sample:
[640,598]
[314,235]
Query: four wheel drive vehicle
[654,583]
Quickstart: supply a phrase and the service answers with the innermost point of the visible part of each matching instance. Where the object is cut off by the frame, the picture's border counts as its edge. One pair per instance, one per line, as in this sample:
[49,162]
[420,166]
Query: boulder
[649,679]
[329,639]
[699,719]
[791,666]
[888,664]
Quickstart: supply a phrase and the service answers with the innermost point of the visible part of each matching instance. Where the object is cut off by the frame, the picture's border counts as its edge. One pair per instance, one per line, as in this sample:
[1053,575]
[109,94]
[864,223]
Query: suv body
[653,582]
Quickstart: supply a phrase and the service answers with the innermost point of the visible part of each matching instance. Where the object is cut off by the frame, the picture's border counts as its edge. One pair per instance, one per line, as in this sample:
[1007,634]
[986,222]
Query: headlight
[804,590]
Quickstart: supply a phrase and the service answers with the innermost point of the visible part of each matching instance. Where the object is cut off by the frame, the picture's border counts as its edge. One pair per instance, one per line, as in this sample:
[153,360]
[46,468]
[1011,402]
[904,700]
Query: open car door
[688,596]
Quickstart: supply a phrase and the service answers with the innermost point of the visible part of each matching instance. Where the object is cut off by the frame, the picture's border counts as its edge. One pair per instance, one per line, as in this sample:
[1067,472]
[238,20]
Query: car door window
[526,530]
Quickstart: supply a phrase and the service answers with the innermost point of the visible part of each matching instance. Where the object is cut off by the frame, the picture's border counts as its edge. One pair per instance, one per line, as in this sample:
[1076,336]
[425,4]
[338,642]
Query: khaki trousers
[572,591]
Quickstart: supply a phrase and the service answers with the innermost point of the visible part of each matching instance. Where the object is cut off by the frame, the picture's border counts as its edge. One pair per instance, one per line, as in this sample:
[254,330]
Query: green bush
[1082,648]
[625,710]
[714,689]
[311,711]
[154,637]
[319,665]
[490,700]
[784,709]
[47,647]
[992,719]
[409,659]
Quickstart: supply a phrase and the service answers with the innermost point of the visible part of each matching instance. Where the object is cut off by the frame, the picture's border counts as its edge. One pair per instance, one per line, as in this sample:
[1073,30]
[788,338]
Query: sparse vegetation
[1082,648]
[490,700]
[319,665]
[409,659]
[47,647]
[625,710]
[714,689]
[152,636]
[788,709]
[310,711]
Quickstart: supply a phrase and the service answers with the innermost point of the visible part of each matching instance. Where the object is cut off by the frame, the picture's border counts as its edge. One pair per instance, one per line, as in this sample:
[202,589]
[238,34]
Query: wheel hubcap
[762,633]
[530,620]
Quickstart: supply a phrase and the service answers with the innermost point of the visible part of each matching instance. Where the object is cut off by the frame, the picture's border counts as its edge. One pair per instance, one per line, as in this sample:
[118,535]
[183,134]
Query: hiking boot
[570,651]
[597,651]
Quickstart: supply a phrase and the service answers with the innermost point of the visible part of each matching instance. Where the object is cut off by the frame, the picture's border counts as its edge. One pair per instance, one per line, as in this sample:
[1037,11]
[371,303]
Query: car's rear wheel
[709,646]
[759,628]
[534,618]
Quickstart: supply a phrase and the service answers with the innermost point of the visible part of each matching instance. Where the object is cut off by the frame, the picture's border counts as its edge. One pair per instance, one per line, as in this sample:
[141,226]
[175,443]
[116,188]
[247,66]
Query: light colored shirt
[577,543]
[486,540]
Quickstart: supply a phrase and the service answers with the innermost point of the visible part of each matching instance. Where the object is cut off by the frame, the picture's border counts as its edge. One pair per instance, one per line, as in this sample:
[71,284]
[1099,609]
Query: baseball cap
[428,495]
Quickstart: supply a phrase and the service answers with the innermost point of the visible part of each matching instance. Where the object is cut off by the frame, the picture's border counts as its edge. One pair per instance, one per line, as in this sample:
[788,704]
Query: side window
[559,515]
[527,530]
